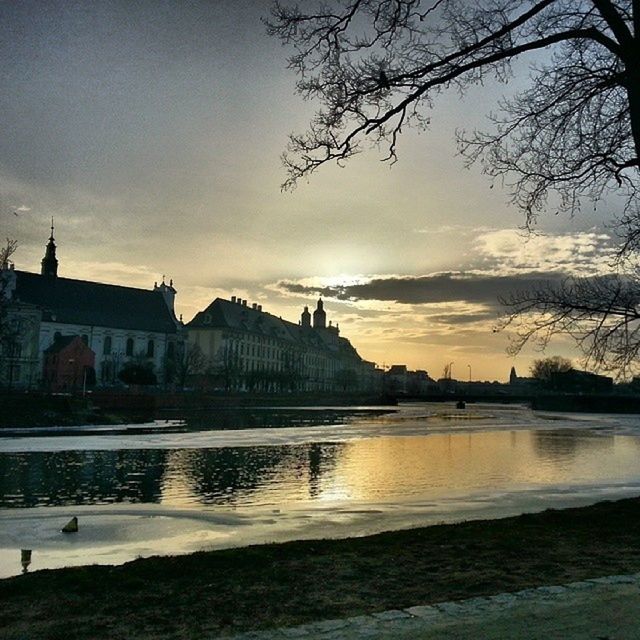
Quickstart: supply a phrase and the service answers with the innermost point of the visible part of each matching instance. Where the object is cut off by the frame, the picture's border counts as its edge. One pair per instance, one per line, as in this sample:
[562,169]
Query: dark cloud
[463,318]
[478,288]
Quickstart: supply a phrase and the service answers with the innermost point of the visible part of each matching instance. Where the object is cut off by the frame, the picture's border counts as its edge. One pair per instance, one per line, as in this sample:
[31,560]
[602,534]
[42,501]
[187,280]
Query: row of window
[270,353]
[107,347]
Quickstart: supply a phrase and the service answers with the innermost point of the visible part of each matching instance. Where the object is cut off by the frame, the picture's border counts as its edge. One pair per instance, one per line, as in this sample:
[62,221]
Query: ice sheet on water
[410,420]
[113,534]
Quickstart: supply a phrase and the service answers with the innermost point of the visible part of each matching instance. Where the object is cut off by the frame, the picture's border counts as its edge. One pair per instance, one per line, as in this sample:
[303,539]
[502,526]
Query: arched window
[151,347]
[129,347]
[106,347]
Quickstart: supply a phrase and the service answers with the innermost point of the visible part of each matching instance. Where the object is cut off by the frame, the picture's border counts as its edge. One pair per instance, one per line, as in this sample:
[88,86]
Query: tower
[305,318]
[319,316]
[168,293]
[50,262]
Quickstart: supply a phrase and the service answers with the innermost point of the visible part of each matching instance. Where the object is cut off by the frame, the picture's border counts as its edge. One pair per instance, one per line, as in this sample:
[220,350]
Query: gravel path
[599,609]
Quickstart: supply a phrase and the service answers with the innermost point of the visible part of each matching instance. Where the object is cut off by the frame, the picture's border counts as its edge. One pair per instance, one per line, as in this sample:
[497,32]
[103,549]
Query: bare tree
[376,66]
[6,252]
[602,315]
[544,368]
[10,334]
[227,366]
[187,361]
[6,280]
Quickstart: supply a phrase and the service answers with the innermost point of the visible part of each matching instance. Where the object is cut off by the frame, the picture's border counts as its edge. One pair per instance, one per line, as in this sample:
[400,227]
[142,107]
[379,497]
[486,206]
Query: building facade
[118,324]
[69,364]
[249,349]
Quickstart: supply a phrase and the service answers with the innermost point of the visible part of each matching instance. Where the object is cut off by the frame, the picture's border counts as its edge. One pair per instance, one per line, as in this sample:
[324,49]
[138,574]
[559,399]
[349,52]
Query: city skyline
[153,133]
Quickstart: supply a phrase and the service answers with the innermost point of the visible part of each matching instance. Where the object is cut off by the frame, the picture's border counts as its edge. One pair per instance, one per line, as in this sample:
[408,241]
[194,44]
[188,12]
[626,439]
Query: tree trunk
[633,86]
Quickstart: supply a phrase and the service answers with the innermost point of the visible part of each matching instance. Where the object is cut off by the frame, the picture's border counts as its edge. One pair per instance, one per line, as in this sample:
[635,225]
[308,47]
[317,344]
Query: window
[150,349]
[106,347]
[129,347]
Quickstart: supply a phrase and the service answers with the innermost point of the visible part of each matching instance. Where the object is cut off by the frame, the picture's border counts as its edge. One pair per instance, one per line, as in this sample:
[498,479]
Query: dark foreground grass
[205,594]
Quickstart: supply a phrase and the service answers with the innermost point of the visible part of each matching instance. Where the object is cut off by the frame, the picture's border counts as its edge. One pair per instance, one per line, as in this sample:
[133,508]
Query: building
[400,381]
[118,324]
[69,364]
[249,349]
[19,343]
[580,382]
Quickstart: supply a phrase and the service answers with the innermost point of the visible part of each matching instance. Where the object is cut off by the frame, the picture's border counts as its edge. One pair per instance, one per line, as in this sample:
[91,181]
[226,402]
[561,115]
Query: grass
[228,591]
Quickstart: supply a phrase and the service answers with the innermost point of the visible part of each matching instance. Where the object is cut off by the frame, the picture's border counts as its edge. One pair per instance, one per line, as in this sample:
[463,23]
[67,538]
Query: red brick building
[68,364]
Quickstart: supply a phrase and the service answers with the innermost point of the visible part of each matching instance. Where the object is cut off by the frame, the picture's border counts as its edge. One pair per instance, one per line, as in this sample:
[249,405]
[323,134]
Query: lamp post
[451,371]
[72,372]
[469,372]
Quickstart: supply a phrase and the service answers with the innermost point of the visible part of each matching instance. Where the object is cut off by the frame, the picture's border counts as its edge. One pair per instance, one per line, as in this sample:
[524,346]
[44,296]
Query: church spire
[319,316]
[49,262]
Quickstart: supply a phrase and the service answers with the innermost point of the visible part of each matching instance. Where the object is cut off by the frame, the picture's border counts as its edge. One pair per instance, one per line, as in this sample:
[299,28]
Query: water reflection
[369,469]
[232,418]
[566,445]
[80,477]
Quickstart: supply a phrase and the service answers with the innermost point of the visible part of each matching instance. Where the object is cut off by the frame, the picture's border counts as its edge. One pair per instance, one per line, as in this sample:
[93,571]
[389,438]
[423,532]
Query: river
[249,476]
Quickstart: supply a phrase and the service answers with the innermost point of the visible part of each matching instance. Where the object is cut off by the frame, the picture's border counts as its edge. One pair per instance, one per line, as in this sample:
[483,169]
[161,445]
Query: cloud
[510,251]
[500,262]
[471,287]
[460,229]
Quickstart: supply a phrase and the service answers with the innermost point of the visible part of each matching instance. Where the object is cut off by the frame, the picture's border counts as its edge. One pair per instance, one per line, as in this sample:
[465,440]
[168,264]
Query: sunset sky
[152,133]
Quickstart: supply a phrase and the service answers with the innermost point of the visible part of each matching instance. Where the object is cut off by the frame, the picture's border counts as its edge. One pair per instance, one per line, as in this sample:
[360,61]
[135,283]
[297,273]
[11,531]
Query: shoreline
[41,410]
[274,585]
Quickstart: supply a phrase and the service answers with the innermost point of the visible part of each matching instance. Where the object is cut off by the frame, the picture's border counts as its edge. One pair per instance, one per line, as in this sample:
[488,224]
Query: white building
[119,324]
[248,348]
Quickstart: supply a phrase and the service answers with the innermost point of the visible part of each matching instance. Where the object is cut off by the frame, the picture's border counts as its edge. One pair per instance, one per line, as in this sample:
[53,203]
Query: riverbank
[37,409]
[229,591]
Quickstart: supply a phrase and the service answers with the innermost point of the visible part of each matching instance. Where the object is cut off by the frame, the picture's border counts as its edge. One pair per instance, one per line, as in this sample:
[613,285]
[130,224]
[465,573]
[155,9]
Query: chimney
[259,307]
[254,306]
[233,299]
[244,303]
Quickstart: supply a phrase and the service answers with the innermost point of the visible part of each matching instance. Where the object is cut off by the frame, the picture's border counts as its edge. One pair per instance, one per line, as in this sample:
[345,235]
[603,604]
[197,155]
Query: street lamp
[451,371]
[469,372]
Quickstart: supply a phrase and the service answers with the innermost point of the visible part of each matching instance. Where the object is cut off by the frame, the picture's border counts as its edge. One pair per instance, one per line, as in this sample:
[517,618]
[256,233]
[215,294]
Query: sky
[152,133]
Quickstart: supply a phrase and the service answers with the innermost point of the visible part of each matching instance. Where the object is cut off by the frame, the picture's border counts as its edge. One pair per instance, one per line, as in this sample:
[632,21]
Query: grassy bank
[229,591]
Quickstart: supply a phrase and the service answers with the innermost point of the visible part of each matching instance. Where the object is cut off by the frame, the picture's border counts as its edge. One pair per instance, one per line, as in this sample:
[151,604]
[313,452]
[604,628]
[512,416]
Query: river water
[248,476]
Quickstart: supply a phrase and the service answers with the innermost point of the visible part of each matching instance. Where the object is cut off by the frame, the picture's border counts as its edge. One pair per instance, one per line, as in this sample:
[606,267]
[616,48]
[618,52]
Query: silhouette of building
[580,382]
[117,323]
[249,348]
[519,384]
[402,382]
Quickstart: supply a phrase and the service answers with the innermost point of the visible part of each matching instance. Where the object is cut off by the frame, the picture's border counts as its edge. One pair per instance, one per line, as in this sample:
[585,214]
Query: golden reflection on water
[397,468]
[444,464]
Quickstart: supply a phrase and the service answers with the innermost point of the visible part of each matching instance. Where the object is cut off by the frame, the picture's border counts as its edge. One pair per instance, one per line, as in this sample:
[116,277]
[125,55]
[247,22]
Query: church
[118,324]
